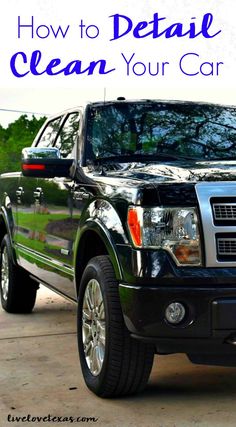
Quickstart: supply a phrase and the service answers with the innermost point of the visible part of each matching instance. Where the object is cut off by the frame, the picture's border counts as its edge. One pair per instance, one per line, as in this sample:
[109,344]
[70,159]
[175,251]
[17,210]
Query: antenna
[104,95]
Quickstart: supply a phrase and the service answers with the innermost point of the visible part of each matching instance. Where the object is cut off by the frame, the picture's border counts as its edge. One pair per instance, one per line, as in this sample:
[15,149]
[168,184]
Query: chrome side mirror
[41,153]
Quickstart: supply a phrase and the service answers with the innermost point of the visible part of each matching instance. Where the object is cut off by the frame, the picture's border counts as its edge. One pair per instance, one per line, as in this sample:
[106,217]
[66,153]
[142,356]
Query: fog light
[175,313]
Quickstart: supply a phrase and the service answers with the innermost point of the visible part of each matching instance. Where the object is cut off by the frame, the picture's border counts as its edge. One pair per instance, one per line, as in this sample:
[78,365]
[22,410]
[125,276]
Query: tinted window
[48,137]
[68,135]
[195,130]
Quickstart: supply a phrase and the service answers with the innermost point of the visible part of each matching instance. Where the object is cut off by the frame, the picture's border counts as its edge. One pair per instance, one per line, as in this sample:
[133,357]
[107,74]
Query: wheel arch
[5,227]
[94,240]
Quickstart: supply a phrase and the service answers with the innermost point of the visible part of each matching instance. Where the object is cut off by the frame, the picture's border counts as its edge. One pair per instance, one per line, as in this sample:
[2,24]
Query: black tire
[18,291]
[127,363]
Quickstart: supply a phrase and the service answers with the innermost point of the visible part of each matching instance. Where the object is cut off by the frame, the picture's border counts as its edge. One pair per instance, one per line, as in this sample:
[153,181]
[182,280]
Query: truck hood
[181,171]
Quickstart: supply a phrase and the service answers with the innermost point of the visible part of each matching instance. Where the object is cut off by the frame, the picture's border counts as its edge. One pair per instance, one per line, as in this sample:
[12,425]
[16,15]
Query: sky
[50,101]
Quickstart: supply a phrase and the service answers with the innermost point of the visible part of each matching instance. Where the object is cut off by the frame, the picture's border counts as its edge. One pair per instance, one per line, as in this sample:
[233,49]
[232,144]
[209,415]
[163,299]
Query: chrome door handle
[19,191]
[38,193]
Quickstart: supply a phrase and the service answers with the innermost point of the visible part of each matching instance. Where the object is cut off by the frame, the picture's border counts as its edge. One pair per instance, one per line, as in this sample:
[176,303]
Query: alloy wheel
[93,327]
[5,274]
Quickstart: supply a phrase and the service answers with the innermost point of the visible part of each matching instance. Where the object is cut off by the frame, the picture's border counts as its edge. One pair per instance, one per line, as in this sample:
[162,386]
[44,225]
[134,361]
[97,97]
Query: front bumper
[209,326]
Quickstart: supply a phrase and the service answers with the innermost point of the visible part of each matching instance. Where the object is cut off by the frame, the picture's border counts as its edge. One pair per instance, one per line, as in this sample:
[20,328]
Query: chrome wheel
[93,327]
[5,274]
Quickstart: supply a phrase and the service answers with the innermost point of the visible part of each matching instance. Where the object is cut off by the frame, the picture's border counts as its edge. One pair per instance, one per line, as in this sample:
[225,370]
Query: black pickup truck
[129,208]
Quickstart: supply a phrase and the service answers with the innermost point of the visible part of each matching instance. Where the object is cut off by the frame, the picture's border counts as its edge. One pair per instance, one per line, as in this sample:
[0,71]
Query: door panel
[25,222]
[56,219]
[56,225]
[27,202]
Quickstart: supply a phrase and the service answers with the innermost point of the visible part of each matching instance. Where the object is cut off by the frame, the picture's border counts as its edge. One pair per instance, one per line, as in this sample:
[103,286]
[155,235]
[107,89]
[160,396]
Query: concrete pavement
[40,376]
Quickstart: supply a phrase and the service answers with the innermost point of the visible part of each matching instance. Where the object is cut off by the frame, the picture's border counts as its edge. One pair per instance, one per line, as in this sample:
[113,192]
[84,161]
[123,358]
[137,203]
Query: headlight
[173,229]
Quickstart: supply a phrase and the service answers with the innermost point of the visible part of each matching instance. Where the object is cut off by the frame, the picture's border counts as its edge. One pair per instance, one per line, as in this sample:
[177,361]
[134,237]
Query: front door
[57,218]
[26,206]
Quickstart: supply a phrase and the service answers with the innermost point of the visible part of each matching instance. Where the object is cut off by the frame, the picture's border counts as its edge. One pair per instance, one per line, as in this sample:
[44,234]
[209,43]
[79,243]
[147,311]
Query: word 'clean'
[22,65]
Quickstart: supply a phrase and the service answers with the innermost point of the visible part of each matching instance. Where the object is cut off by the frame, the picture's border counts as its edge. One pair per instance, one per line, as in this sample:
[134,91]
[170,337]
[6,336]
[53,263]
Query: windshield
[198,131]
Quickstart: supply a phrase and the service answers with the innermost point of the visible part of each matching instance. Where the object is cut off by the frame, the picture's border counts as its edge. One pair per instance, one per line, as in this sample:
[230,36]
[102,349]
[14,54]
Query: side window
[49,134]
[68,135]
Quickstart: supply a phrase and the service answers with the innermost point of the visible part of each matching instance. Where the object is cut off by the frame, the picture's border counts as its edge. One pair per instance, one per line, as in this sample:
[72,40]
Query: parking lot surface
[40,379]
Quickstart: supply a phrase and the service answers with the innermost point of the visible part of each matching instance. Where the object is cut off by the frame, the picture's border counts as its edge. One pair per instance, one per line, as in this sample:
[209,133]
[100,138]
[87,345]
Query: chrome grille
[224,211]
[218,231]
[226,246]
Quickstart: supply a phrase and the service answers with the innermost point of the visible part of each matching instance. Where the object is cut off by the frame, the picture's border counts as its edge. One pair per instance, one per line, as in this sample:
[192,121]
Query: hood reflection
[174,171]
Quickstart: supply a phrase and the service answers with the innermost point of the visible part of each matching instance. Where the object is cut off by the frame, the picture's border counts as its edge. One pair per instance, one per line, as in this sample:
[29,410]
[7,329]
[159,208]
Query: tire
[18,291]
[119,364]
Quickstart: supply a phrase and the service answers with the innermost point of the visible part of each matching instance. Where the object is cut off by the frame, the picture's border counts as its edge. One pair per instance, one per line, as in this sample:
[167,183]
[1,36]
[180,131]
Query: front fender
[107,215]
[102,218]
[97,227]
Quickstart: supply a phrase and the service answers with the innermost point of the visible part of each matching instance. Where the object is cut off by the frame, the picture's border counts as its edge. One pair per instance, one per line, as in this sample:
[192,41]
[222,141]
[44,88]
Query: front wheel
[113,363]
[17,289]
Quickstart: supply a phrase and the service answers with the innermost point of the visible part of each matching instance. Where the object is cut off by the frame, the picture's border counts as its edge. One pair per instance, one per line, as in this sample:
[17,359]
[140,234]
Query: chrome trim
[226,246]
[205,191]
[21,249]
[224,211]
[65,251]
[40,153]
[231,341]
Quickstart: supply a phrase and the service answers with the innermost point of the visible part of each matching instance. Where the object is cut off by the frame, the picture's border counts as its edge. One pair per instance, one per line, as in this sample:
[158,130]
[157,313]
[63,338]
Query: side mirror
[44,162]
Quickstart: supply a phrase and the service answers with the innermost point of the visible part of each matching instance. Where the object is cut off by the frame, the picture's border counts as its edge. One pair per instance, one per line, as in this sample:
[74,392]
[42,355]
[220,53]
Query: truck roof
[122,100]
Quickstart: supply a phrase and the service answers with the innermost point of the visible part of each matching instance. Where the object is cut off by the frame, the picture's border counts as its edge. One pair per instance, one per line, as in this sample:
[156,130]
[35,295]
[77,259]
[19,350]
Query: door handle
[19,191]
[80,195]
[38,193]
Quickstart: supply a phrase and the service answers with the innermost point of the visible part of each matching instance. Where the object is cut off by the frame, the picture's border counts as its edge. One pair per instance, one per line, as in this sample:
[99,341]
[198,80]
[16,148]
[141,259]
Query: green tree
[14,138]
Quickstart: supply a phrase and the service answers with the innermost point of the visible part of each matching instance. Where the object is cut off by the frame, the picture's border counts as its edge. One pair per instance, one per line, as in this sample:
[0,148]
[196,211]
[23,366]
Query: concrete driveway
[40,377]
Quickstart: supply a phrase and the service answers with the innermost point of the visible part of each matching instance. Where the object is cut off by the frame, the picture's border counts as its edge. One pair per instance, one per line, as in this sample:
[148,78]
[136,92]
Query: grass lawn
[41,220]
[59,224]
